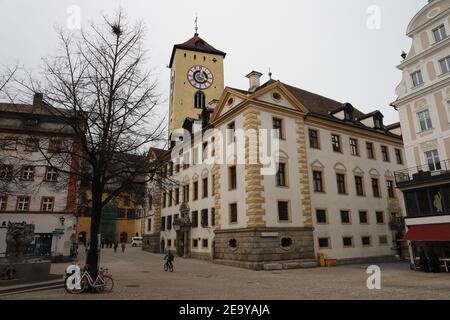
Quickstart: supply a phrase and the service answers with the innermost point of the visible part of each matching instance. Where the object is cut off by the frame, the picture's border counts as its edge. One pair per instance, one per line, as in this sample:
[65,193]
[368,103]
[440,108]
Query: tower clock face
[200,77]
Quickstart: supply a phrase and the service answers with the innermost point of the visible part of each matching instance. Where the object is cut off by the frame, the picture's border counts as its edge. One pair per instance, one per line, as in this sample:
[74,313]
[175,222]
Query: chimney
[254,78]
[38,99]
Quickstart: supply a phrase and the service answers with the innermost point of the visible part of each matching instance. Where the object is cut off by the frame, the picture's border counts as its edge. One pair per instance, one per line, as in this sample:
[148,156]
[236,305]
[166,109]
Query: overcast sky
[337,48]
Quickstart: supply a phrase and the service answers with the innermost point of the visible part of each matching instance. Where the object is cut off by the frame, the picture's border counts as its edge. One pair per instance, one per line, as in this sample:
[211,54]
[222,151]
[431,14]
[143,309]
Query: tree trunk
[93,256]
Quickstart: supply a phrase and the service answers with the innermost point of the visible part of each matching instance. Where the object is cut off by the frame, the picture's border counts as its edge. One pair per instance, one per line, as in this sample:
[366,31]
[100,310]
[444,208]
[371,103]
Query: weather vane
[196,24]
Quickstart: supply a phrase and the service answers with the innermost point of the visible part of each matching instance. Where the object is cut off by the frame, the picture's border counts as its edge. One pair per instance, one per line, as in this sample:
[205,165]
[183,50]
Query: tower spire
[196,25]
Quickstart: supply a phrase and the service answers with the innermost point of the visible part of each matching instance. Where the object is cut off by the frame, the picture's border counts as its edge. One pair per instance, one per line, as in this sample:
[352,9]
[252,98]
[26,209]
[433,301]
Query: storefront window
[437,200]
[411,204]
[424,203]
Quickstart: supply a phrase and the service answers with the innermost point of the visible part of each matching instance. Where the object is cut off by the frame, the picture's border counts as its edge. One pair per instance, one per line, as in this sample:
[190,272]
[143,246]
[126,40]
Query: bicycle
[168,266]
[103,283]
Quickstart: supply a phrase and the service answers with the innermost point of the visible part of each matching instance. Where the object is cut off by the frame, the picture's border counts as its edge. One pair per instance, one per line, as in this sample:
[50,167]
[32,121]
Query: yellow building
[121,218]
[197,78]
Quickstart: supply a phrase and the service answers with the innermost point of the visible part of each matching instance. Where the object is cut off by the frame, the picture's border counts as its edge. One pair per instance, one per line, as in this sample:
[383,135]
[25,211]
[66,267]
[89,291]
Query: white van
[136,241]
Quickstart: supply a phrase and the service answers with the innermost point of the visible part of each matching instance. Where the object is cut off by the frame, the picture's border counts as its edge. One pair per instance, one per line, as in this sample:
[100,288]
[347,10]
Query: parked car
[136,241]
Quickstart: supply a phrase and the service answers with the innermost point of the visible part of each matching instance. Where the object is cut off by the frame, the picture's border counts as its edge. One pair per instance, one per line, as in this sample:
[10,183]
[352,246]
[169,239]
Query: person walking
[123,245]
[116,244]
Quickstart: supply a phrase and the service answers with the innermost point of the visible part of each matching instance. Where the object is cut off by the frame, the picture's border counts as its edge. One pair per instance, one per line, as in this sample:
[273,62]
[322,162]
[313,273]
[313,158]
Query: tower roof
[196,44]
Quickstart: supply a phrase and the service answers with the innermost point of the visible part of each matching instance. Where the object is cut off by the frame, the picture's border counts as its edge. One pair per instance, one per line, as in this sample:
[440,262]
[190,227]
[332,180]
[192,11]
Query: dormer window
[347,114]
[378,123]
[439,33]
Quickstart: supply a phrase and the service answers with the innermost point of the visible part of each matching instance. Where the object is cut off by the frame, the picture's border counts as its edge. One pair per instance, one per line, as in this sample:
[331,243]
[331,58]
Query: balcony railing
[422,173]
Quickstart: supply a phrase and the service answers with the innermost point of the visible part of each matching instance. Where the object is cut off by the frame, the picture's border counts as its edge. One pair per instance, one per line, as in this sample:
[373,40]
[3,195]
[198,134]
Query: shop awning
[430,232]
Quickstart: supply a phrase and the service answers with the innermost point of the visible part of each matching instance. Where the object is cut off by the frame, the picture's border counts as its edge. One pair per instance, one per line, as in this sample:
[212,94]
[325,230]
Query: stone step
[29,287]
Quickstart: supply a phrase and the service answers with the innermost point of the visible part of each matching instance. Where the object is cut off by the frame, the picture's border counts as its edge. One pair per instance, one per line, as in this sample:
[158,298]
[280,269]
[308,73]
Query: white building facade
[32,191]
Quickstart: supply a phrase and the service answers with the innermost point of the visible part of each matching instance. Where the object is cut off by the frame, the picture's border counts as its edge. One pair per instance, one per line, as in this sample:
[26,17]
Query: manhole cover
[132,286]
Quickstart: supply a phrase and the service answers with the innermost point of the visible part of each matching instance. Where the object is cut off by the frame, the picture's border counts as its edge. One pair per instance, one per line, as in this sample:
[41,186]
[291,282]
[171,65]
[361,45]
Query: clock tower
[196,79]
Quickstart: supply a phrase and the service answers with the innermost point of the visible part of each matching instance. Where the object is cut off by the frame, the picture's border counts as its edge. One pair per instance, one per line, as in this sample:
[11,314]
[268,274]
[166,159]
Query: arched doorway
[124,237]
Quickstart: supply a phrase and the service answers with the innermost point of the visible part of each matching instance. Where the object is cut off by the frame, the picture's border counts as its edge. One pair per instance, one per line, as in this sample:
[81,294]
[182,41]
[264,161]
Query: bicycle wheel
[84,285]
[108,283]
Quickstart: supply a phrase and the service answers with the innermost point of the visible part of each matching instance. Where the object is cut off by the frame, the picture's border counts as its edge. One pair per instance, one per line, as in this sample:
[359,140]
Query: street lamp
[62,220]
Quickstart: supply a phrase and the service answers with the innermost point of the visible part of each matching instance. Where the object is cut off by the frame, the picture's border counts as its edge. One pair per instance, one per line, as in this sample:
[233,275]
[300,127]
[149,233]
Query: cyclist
[169,257]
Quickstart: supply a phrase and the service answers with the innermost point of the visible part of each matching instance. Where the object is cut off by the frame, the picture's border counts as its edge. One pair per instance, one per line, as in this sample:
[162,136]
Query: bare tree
[98,83]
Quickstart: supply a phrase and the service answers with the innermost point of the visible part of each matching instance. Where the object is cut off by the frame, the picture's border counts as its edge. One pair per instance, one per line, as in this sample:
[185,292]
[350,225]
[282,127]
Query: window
[213,216]
[169,222]
[233,213]
[23,203]
[164,200]
[321,216]
[398,156]
[324,243]
[383,240]
[354,147]
[277,125]
[341,187]
[204,218]
[163,223]
[170,198]
[281,175]
[417,78]
[230,132]
[380,217]
[9,143]
[169,242]
[425,120]
[390,188]
[55,145]
[205,243]
[177,196]
[150,202]
[363,218]
[347,242]
[3,202]
[51,174]
[6,172]
[375,188]
[385,153]
[378,123]
[121,214]
[205,187]
[32,145]
[199,100]
[186,193]
[47,204]
[314,139]
[195,243]
[195,187]
[283,210]
[445,64]
[149,224]
[204,150]
[336,142]
[366,241]
[345,217]
[433,160]
[317,181]
[27,173]
[369,148]
[232,178]
[194,219]
[439,33]
[359,185]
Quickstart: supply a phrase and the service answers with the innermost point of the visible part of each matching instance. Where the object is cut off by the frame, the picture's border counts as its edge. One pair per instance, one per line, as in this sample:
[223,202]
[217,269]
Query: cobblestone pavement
[140,275]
